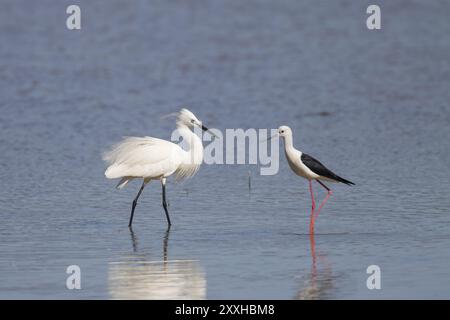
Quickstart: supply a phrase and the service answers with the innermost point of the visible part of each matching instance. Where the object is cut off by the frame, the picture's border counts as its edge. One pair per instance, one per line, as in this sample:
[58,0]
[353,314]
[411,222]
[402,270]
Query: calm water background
[373,106]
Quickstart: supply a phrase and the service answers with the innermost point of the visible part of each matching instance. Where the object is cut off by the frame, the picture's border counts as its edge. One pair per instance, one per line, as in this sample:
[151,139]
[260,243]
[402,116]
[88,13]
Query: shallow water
[372,105]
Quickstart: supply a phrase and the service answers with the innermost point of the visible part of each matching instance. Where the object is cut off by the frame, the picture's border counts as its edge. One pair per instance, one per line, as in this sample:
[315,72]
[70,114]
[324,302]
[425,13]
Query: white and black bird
[149,158]
[309,168]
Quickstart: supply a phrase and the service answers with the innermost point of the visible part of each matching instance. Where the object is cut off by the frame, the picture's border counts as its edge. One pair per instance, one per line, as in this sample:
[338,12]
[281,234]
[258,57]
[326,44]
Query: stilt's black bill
[270,138]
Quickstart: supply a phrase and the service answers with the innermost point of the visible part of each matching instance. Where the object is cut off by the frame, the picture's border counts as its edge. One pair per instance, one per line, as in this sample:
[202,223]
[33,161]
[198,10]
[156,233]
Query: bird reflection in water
[320,280]
[136,277]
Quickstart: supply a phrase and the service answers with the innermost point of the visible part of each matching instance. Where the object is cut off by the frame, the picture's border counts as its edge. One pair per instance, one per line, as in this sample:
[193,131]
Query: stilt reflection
[320,279]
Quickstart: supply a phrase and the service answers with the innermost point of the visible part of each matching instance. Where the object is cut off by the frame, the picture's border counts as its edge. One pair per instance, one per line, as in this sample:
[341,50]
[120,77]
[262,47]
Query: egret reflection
[320,280]
[138,277]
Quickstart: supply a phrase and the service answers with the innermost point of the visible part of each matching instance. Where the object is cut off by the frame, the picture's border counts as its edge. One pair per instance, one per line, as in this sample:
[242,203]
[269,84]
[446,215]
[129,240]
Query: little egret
[151,158]
[308,168]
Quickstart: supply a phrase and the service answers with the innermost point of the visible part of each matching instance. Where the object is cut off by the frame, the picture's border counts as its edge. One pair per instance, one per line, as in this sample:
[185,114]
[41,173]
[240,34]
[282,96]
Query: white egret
[309,168]
[151,158]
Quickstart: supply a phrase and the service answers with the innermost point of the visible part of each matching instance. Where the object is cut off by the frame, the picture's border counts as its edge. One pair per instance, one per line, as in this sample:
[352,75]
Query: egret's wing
[142,157]
[134,150]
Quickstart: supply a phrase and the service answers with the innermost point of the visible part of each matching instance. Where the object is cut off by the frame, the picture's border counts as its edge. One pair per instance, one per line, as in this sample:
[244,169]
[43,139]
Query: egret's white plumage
[151,158]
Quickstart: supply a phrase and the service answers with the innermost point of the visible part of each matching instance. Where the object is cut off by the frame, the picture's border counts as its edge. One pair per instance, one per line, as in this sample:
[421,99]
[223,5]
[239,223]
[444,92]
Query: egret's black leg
[164,202]
[165,244]
[135,203]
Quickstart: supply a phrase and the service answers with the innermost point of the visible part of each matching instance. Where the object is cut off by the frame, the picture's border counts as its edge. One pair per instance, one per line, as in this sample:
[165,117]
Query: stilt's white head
[284,131]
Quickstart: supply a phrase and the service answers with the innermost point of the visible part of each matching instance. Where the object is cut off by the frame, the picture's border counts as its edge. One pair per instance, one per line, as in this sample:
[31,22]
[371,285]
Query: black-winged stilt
[309,168]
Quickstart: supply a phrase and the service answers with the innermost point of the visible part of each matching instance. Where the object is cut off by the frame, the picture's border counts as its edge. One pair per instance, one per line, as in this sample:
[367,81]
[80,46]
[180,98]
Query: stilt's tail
[347,182]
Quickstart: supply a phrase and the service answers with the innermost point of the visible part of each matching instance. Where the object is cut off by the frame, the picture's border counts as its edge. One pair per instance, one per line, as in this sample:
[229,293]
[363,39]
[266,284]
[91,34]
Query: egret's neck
[195,151]
[288,143]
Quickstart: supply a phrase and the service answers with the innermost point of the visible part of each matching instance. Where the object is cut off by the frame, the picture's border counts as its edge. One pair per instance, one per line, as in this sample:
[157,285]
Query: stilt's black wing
[318,168]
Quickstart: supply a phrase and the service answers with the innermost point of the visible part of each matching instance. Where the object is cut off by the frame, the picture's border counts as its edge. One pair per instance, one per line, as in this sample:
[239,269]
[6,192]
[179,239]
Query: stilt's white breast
[293,157]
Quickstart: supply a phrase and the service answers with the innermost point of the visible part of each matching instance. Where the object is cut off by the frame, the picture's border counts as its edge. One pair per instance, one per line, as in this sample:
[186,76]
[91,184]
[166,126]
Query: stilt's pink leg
[311,220]
[312,195]
[329,193]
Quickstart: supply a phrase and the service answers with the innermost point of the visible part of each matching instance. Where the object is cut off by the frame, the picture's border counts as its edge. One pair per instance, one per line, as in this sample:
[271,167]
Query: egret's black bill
[207,130]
